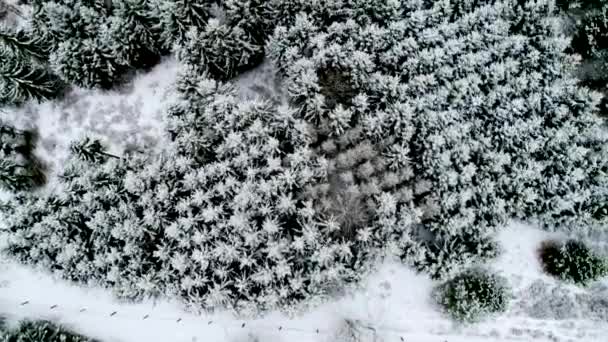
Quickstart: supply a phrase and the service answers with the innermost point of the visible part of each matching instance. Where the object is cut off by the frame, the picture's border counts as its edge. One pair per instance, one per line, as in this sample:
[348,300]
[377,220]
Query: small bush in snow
[472,294]
[41,331]
[572,261]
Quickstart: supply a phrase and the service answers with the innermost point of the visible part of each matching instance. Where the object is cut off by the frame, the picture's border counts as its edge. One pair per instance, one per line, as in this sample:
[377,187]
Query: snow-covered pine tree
[95,45]
[221,50]
[60,20]
[87,62]
[21,79]
[24,44]
[177,17]
[256,17]
[131,34]
[42,331]
[91,150]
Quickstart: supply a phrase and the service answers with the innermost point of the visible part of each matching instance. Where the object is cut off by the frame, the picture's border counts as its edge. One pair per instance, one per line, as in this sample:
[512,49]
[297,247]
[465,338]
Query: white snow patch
[126,118]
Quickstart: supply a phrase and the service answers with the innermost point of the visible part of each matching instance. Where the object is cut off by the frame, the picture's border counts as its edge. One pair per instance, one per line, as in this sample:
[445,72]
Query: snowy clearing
[126,118]
[394,302]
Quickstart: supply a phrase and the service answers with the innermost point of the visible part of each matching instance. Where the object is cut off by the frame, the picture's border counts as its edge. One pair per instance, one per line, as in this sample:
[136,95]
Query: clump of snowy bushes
[573,261]
[473,294]
[40,331]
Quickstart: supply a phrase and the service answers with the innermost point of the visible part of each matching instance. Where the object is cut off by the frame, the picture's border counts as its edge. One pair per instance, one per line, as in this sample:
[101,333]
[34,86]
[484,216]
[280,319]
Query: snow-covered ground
[392,305]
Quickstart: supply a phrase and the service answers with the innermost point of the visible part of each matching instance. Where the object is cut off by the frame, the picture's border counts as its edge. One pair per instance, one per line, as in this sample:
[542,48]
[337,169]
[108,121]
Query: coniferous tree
[90,150]
[22,80]
[87,63]
[177,17]
[41,331]
[24,44]
[131,35]
[223,51]
[254,16]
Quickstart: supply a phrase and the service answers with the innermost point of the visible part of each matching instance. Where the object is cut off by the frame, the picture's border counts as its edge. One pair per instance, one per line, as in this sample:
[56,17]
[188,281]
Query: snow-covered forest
[256,159]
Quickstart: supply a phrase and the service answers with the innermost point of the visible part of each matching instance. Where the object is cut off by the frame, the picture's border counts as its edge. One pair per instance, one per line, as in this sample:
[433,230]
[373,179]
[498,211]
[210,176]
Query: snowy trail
[394,302]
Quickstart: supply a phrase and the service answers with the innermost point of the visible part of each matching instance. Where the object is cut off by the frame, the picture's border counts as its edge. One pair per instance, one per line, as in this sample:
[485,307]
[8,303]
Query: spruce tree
[223,51]
[90,150]
[131,35]
[21,80]
[24,44]
[88,63]
[177,17]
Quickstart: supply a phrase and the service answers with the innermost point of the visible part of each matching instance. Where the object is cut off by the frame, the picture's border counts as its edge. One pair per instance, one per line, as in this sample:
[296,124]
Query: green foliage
[572,261]
[472,294]
[41,331]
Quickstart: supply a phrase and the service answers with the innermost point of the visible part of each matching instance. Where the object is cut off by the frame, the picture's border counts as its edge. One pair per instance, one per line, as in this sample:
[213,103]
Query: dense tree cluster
[414,128]
[475,98]
[95,43]
[220,219]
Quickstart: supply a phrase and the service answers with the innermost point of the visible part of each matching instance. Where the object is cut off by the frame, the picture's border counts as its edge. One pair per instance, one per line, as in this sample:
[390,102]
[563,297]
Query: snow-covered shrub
[256,17]
[41,331]
[473,294]
[572,261]
[223,51]
[476,98]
